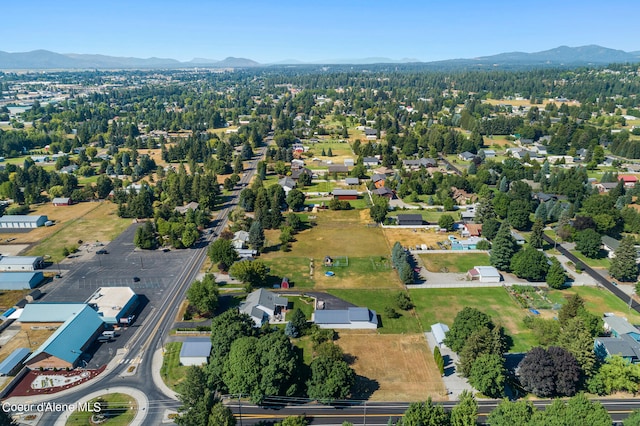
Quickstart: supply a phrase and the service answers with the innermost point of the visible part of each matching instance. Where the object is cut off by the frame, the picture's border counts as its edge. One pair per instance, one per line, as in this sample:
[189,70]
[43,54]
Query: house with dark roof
[295,174]
[345,194]
[370,162]
[416,164]
[337,168]
[383,191]
[610,245]
[378,180]
[262,306]
[350,318]
[192,206]
[287,184]
[409,220]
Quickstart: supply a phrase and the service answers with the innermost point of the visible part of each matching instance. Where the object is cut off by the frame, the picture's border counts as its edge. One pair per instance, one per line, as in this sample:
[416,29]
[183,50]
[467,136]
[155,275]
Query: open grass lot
[362,273]
[8,298]
[602,262]
[86,221]
[340,150]
[172,372]
[599,300]
[319,186]
[121,409]
[294,268]
[395,367]
[378,300]
[453,262]
[305,344]
[408,238]
[442,305]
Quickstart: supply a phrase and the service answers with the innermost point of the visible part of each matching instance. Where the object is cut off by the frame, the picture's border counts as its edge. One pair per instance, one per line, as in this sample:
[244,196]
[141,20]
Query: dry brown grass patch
[402,366]
[407,237]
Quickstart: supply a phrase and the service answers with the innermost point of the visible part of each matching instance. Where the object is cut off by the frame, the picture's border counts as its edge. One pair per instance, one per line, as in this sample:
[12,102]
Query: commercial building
[113,303]
[20,280]
[13,362]
[20,263]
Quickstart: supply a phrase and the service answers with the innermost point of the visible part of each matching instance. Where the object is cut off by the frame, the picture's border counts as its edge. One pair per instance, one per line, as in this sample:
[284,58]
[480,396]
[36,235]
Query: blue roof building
[20,280]
[65,346]
[14,361]
[50,312]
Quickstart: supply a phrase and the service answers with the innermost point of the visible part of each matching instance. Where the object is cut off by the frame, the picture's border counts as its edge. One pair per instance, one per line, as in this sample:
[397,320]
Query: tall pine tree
[623,265]
[503,248]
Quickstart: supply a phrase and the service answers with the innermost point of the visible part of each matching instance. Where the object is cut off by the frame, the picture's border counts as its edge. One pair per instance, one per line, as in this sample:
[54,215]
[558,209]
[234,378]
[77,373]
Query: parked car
[102,251]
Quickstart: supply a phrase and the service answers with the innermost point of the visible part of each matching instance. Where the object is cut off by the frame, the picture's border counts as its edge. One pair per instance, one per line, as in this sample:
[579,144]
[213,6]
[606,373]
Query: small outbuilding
[409,219]
[439,331]
[195,351]
[61,201]
[484,274]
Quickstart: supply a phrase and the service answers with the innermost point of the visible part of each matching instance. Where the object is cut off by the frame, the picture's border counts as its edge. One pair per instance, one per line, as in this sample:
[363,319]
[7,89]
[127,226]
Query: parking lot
[156,270]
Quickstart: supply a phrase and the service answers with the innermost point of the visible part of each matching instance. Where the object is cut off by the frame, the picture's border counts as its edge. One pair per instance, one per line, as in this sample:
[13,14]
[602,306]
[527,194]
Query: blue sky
[270,31]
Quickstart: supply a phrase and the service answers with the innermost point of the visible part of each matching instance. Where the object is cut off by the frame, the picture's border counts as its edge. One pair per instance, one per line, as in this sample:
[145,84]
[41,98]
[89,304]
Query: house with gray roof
[352,181]
[262,306]
[195,351]
[351,318]
[624,340]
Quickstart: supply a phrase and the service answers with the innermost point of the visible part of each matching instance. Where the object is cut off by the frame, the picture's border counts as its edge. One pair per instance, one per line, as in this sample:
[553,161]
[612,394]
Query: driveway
[453,382]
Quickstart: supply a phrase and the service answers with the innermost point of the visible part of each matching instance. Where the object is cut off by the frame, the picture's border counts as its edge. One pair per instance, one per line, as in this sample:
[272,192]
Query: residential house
[352,181]
[370,162]
[604,187]
[471,230]
[192,206]
[349,162]
[371,134]
[466,156]
[468,244]
[484,274]
[295,174]
[624,340]
[240,239]
[409,219]
[287,184]
[544,197]
[69,169]
[246,254]
[610,245]
[629,180]
[469,214]
[297,163]
[384,171]
[417,164]
[460,196]
[338,168]
[383,191]
[489,153]
[263,306]
[345,194]
[378,180]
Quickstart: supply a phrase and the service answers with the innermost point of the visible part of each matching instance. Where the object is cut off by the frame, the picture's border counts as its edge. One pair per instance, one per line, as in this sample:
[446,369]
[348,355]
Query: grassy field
[294,268]
[172,372]
[393,367]
[602,262]
[319,186]
[454,262]
[88,221]
[599,300]
[378,300]
[408,238]
[121,406]
[442,305]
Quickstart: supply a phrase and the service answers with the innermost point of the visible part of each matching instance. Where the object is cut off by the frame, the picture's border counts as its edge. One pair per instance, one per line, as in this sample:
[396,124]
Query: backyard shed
[439,331]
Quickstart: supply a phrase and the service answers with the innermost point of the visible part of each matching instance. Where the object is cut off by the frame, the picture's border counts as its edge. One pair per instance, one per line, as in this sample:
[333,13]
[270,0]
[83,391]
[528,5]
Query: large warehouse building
[20,280]
[113,303]
[21,263]
[15,221]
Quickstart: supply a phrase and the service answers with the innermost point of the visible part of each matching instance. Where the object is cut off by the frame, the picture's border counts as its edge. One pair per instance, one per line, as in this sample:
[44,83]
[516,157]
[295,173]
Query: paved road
[151,331]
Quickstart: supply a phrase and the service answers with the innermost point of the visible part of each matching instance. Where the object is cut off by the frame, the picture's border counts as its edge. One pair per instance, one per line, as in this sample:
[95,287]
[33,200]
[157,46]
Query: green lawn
[602,262]
[442,305]
[120,408]
[294,268]
[305,344]
[378,300]
[305,304]
[600,300]
[363,202]
[454,262]
[172,372]
[319,186]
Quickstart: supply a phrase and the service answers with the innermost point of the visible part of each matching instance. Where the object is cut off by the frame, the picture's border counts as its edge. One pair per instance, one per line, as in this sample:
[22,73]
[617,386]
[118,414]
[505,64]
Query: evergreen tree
[535,240]
[623,265]
[465,412]
[256,236]
[504,184]
[503,248]
[556,277]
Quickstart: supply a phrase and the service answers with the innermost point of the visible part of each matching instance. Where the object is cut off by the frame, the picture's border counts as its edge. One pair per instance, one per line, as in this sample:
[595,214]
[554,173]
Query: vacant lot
[393,367]
[362,272]
[442,305]
[85,221]
[409,238]
[453,262]
[31,339]
[172,372]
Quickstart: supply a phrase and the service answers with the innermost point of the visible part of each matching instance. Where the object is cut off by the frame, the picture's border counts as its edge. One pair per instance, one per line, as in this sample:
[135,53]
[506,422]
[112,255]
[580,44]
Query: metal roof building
[65,346]
[14,361]
[21,263]
[20,280]
[351,318]
[50,312]
[195,351]
[22,221]
[439,331]
[113,303]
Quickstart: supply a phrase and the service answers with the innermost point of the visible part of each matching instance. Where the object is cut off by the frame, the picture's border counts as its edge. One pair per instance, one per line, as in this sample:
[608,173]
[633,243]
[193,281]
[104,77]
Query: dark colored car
[102,251]
[136,279]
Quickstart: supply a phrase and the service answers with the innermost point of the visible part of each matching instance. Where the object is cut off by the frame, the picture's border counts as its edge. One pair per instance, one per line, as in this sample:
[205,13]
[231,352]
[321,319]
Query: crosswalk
[136,360]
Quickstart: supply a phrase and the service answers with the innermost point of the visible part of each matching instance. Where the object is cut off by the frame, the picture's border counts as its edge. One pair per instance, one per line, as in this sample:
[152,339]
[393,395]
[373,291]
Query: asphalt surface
[164,279]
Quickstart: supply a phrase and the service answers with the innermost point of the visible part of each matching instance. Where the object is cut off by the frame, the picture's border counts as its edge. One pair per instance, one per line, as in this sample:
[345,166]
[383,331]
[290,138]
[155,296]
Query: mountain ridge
[561,55]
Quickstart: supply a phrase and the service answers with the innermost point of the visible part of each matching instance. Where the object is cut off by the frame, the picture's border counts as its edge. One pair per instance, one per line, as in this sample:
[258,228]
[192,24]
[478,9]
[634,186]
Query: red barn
[629,180]
[345,194]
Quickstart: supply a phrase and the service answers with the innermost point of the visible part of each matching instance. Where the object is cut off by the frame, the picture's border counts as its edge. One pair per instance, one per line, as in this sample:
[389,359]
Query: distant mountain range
[563,55]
